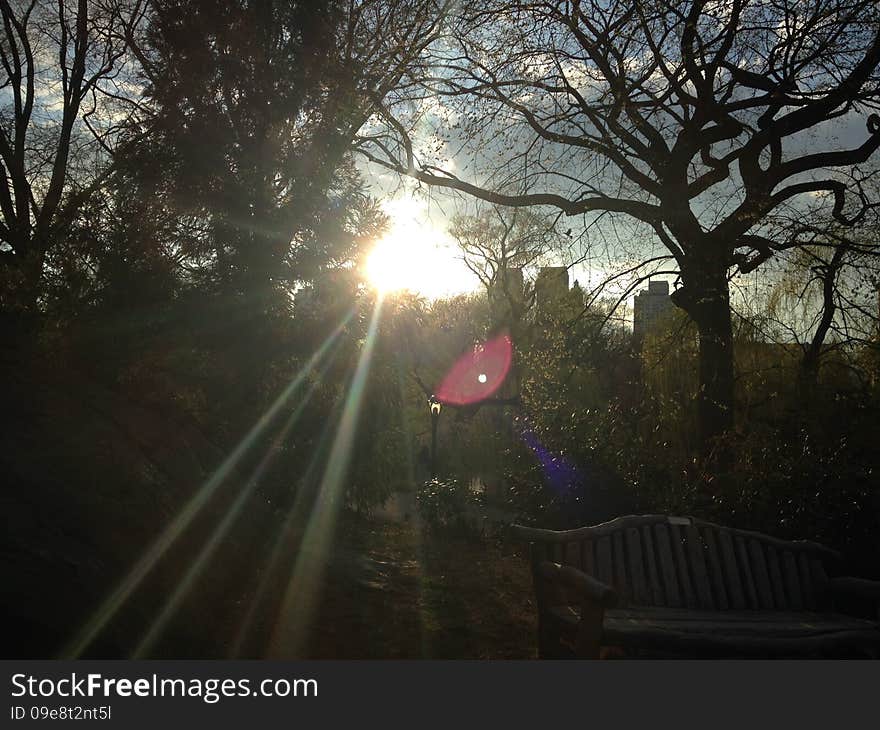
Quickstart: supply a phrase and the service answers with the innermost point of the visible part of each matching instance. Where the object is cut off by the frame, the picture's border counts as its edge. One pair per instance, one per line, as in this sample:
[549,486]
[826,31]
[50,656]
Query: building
[551,284]
[649,307]
[508,285]
[516,284]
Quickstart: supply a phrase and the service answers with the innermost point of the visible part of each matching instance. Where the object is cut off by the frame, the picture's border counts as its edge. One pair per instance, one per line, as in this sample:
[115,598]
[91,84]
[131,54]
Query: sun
[416,255]
[390,265]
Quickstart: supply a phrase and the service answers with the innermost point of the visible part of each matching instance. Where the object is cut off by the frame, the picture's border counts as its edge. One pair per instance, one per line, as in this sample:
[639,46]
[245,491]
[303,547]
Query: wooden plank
[734,646]
[603,560]
[731,571]
[686,615]
[695,552]
[640,592]
[621,582]
[608,528]
[761,574]
[716,572]
[807,591]
[656,586]
[684,578]
[667,566]
[748,580]
[776,583]
[743,627]
[573,554]
[820,582]
[806,545]
[587,557]
[559,553]
[728,621]
[792,582]
[539,552]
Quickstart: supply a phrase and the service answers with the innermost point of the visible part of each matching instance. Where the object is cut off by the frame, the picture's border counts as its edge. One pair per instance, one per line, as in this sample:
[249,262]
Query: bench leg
[548,639]
[589,635]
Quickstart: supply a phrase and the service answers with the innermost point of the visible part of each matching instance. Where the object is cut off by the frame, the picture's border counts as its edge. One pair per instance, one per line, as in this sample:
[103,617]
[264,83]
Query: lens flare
[477,374]
[560,474]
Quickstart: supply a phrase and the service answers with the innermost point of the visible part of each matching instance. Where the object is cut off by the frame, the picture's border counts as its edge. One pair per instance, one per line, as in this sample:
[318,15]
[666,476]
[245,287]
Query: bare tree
[697,118]
[824,298]
[498,245]
[60,62]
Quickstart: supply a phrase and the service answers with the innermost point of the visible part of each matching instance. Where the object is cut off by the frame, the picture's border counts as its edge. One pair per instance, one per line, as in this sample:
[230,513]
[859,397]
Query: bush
[449,505]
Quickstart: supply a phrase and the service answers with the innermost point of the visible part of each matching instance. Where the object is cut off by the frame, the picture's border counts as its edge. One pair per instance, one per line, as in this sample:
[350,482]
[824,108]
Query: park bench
[654,585]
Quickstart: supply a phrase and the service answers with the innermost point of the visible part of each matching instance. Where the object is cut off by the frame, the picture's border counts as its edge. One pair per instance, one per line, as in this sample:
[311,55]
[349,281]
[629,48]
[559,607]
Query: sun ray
[300,597]
[285,543]
[424,613]
[111,605]
[186,583]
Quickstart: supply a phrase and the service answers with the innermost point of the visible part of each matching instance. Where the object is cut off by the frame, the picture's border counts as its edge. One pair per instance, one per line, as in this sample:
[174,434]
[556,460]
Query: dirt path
[393,591]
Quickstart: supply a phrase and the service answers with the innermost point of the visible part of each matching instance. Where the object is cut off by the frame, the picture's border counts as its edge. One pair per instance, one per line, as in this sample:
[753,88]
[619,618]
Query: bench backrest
[658,560]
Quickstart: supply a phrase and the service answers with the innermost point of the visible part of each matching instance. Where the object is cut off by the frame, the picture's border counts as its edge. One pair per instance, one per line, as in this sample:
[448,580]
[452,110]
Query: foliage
[448,505]
[183,265]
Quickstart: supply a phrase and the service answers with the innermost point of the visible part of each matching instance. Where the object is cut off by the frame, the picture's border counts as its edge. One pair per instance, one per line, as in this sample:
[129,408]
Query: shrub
[449,505]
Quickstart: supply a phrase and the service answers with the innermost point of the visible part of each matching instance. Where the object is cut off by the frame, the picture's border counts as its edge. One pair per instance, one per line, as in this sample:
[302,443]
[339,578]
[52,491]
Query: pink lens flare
[477,374]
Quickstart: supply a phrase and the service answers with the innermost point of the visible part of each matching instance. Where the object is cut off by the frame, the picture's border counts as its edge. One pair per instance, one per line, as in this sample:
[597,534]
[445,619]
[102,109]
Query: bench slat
[748,579]
[779,598]
[621,582]
[792,583]
[680,619]
[559,553]
[636,567]
[657,598]
[715,569]
[684,578]
[730,624]
[573,555]
[762,577]
[820,582]
[539,552]
[688,614]
[667,567]
[731,570]
[587,557]
[698,563]
[603,560]
[806,580]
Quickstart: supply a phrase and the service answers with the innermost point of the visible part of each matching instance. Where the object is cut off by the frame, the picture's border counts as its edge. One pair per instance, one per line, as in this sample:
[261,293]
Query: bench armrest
[867,591]
[586,587]
[859,587]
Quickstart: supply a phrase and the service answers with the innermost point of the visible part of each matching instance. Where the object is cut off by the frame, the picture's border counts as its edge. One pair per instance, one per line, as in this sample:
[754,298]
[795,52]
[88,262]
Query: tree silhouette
[698,119]
[59,64]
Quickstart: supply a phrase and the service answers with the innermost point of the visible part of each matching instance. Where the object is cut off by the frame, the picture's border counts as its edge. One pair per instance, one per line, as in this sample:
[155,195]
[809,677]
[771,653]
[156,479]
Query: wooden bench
[677,586]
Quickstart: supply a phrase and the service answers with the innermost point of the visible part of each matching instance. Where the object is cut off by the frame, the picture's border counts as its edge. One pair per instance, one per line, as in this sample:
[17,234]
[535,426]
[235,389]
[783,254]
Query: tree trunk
[23,283]
[33,277]
[706,299]
[808,374]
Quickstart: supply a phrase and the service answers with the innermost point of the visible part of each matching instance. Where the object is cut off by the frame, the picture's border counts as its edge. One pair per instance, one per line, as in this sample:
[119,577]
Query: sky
[467,141]
[417,254]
